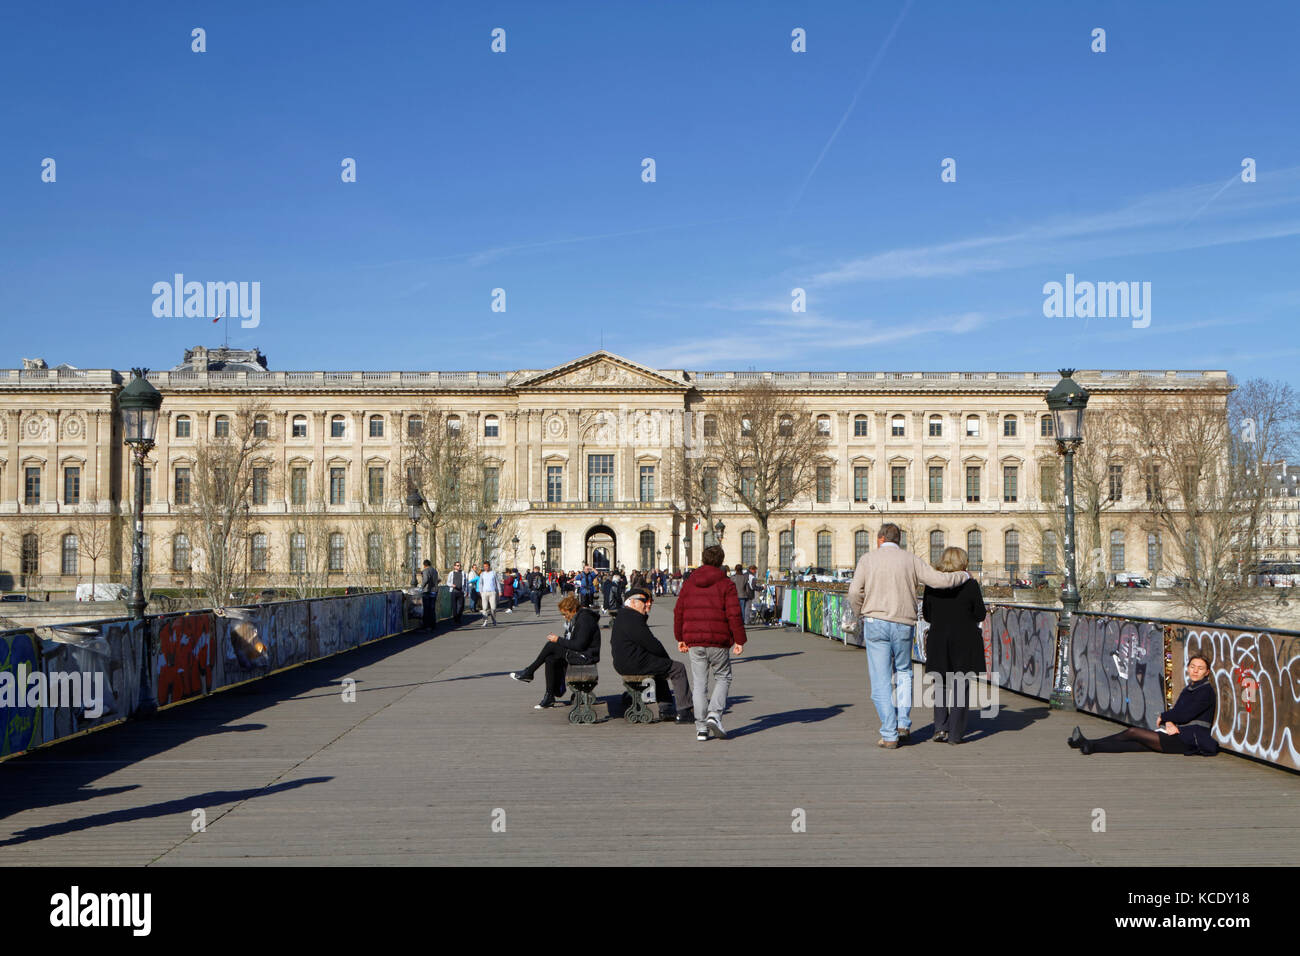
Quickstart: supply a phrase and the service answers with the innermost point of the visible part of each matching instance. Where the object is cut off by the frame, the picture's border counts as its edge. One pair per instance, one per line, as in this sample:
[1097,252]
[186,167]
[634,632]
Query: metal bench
[582,680]
[639,710]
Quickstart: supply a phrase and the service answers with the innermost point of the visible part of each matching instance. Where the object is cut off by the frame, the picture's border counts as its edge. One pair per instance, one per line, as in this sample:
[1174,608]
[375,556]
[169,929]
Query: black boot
[1077,739]
[546,701]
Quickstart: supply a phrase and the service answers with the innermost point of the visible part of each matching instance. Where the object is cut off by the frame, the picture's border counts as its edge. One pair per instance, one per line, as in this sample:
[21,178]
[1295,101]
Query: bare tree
[94,530]
[767,447]
[217,519]
[29,550]
[695,484]
[1207,490]
[309,528]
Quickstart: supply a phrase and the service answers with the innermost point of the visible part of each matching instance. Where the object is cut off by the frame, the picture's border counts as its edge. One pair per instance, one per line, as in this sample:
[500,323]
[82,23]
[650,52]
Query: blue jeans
[889,659]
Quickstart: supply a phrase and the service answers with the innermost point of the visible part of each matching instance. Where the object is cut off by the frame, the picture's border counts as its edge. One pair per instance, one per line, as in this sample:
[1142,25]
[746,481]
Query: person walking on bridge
[883,594]
[489,586]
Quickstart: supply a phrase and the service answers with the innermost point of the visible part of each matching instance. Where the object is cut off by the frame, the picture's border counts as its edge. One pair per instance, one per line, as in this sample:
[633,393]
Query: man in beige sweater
[883,594]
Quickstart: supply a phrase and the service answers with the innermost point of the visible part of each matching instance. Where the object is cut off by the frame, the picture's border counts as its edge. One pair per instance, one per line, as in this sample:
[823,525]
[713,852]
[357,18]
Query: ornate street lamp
[668,556]
[718,529]
[515,542]
[415,508]
[532,556]
[482,541]
[1067,402]
[138,405]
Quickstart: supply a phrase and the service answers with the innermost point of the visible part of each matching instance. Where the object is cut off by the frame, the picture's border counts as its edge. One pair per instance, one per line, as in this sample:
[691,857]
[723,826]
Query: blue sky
[775,170]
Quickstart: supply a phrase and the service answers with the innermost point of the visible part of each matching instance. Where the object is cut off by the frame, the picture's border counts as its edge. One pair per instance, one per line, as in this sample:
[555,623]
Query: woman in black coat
[955,647]
[1187,729]
[579,645]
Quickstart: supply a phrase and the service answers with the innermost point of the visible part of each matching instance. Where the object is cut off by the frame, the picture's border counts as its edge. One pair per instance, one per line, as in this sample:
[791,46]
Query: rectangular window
[785,485]
[823,549]
[221,427]
[337,545]
[554,483]
[936,428]
[1116,482]
[936,485]
[785,551]
[973,483]
[860,427]
[337,490]
[299,426]
[182,496]
[1010,480]
[1008,427]
[897,484]
[31,486]
[647,482]
[336,429]
[711,485]
[298,552]
[491,485]
[861,544]
[261,483]
[1046,429]
[1153,552]
[896,427]
[375,485]
[747,484]
[376,427]
[972,426]
[1153,483]
[823,484]
[600,478]
[1049,482]
[298,486]
[861,484]
[72,486]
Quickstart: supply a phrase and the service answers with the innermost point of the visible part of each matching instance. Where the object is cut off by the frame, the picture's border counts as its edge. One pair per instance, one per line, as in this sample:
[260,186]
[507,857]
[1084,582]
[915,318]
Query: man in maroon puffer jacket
[706,623]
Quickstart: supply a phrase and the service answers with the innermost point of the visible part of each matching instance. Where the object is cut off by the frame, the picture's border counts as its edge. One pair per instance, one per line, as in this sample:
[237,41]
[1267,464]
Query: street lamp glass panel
[138,405]
[414,502]
[1068,422]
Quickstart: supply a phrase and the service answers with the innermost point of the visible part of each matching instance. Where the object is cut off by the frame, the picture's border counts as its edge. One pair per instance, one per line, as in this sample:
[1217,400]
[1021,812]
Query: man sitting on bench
[638,651]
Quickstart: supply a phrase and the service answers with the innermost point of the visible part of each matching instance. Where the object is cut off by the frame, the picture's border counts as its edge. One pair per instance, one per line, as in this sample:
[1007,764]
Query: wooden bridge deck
[439,743]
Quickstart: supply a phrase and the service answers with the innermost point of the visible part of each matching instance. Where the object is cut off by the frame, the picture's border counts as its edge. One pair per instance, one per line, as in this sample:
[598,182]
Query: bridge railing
[1124,668]
[51,676]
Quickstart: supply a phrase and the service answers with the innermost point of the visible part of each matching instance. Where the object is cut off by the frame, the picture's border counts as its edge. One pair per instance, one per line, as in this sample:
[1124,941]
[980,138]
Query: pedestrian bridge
[440,758]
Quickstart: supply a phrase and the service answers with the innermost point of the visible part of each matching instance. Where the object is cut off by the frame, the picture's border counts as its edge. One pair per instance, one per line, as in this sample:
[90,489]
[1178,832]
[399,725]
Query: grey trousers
[706,661]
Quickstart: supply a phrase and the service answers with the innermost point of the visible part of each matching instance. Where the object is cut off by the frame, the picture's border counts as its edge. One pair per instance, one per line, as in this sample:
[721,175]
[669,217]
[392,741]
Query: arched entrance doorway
[601,548]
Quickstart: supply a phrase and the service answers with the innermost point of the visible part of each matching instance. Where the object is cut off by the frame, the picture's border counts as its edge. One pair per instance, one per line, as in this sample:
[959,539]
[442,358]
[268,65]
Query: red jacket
[708,610]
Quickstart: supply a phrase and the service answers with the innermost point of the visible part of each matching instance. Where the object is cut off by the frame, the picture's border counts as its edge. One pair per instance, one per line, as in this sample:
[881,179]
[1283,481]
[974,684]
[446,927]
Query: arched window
[1117,550]
[299,426]
[374,551]
[553,540]
[298,552]
[338,426]
[823,425]
[1009,427]
[221,426]
[936,547]
[785,550]
[182,426]
[860,426]
[972,426]
[785,427]
[897,426]
[648,554]
[180,553]
[336,551]
[748,548]
[1046,428]
[453,424]
[974,550]
[414,426]
[68,564]
[376,426]
[261,427]
[1049,551]
[257,552]
[861,545]
[936,426]
[710,426]
[491,427]
[824,549]
[31,554]
[1011,552]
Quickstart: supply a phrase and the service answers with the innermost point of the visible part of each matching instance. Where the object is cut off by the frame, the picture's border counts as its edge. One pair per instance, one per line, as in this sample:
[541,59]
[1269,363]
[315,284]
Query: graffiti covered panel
[1257,679]
[1023,648]
[1118,668]
[98,668]
[187,656]
[20,722]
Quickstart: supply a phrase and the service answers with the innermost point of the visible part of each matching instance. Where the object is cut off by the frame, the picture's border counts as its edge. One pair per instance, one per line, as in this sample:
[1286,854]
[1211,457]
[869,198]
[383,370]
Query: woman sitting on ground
[579,645]
[1187,729]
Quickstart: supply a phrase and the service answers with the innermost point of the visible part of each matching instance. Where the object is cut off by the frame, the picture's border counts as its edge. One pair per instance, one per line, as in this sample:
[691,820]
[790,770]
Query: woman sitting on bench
[579,645]
[1184,730]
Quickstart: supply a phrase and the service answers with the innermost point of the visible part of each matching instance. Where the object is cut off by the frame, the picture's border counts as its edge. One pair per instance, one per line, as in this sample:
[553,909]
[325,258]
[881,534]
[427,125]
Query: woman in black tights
[1185,730]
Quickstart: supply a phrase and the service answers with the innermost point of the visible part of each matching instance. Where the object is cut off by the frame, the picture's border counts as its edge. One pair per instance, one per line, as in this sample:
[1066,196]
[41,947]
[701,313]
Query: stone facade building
[583,453]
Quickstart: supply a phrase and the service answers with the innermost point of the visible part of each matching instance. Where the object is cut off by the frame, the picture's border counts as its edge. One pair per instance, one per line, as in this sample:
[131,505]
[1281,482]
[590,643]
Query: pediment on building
[602,371]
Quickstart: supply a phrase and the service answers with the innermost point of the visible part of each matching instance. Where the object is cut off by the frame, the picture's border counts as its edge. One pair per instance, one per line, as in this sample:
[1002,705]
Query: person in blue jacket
[1187,729]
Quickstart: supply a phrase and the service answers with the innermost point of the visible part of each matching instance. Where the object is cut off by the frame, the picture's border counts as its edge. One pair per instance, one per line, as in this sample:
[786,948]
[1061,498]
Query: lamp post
[532,556]
[482,542]
[138,404]
[515,543]
[668,556]
[718,530]
[414,508]
[1067,402]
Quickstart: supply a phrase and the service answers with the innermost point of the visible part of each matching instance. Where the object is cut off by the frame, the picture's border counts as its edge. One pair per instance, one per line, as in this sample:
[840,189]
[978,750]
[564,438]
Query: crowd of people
[714,606]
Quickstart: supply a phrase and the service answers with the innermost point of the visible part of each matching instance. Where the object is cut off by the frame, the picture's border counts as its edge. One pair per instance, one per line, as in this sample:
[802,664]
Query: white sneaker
[484,624]
[714,724]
